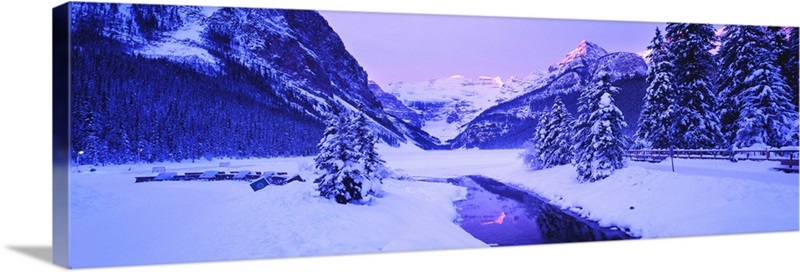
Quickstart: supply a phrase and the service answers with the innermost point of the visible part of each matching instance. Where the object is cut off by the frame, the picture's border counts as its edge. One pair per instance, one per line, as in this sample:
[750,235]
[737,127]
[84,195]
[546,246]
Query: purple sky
[411,47]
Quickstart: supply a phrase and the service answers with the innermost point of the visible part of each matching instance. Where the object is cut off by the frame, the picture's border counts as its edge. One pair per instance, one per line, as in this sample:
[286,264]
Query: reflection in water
[558,227]
[498,220]
[523,219]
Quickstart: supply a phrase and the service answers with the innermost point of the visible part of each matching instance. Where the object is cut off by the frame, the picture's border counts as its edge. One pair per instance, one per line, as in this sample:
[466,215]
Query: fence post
[671,152]
[767,153]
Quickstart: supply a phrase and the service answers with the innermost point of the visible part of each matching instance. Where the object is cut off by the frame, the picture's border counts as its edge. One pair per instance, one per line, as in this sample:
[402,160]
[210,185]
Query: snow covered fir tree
[557,149]
[737,55]
[696,123]
[740,97]
[532,156]
[784,45]
[350,168]
[758,110]
[598,140]
[551,144]
[364,143]
[659,102]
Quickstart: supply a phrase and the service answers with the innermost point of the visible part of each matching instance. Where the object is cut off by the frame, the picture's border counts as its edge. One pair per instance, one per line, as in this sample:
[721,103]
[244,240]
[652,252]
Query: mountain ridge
[293,62]
[445,104]
[456,109]
[510,124]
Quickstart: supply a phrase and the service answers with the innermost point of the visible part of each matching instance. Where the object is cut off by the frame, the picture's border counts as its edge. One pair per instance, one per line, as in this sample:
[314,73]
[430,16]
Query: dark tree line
[129,109]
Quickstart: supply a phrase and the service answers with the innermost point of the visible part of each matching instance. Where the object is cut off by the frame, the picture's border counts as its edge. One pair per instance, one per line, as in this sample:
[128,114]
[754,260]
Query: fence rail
[657,155]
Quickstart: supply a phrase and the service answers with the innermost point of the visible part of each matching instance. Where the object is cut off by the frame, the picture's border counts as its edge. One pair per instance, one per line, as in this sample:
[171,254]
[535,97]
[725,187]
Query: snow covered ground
[702,197]
[115,221]
[118,222]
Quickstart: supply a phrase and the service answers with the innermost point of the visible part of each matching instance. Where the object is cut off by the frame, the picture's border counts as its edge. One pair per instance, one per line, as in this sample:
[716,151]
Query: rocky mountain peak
[585,52]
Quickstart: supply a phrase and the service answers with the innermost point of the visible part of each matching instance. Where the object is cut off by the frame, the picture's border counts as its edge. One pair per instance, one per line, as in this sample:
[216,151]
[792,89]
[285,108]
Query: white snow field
[115,221]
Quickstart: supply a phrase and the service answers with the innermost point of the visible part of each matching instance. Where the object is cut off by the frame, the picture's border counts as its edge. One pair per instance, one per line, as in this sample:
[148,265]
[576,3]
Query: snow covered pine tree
[341,177]
[737,53]
[696,123]
[758,109]
[659,100]
[555,137]
[558,148]
[599,142]
[532,156]
[784,44]
[551,143]
[370,160]
[351,168]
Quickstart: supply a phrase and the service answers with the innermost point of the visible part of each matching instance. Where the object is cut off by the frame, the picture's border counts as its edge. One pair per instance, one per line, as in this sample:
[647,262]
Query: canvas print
[200,133]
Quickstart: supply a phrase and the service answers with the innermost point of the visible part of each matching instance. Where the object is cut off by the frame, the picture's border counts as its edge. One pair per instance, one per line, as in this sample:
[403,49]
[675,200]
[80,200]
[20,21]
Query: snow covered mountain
[583,55]
[450,108]
[393,106]
[446,104]
[511,123]
[234,66]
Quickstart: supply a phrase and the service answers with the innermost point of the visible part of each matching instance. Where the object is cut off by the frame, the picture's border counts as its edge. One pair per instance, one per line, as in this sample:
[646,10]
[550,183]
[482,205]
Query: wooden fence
[657,155]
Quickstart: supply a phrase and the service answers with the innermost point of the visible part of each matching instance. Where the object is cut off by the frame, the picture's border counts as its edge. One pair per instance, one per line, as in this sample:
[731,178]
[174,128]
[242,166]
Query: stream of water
[502,215]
